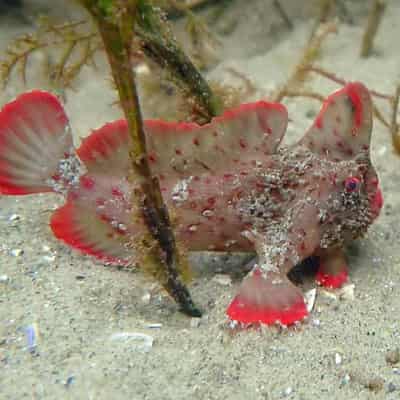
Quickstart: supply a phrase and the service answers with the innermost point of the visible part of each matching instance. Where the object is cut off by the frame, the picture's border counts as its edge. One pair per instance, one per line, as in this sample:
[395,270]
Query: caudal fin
[36,150]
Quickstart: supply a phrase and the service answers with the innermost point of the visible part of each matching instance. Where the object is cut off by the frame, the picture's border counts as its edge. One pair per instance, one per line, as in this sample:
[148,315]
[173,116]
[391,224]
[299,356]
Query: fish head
[349,197]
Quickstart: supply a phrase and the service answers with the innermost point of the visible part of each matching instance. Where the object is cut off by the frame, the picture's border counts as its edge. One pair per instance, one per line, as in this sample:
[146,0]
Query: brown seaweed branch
[394,125]
[308,56]
[78,48]
[374,18]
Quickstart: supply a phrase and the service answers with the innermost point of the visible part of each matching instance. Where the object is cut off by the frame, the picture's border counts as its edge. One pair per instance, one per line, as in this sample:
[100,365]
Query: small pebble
[146,298]
[287,392]
[374,384]
[137,341]
[345,380]
[70,380]
[309,298]
[14,217]
[347,292]
[391,387]
[194,322]
[338,359]
[32,336]
[156,325]
[222,279]
[16,252]
[392,357]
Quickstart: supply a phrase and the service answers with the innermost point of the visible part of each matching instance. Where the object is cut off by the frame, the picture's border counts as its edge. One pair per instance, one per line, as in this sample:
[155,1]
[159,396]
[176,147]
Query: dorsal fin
[343,127]
[243,134]
[246,133]
[105,150]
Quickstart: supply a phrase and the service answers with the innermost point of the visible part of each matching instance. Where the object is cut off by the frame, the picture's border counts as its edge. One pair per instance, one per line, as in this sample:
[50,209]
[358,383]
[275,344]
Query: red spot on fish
[152,157]
[178,152]
[116,192]
[228,176]
[87,182]
[242,143]
[356,102]
[211,201]
[340,144]
[196,142]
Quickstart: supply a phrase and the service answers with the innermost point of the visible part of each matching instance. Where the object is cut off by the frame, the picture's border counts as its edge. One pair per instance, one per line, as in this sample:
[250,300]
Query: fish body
[229,184]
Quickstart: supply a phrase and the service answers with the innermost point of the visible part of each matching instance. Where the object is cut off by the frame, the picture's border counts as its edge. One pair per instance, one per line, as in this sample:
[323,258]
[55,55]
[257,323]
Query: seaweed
[116,21]
[374,18]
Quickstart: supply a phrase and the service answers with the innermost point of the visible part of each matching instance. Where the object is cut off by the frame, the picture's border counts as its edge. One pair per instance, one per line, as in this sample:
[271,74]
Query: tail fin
[36,150]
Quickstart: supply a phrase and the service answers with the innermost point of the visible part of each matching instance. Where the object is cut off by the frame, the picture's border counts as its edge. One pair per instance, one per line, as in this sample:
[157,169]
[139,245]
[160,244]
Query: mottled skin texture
[228,185]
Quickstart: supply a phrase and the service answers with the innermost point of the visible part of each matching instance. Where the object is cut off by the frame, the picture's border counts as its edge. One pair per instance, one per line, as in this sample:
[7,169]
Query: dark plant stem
[116,24]
[158,43]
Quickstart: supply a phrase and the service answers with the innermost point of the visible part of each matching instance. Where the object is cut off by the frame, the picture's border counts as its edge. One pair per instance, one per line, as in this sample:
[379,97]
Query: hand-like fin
[267,298]
[82,228]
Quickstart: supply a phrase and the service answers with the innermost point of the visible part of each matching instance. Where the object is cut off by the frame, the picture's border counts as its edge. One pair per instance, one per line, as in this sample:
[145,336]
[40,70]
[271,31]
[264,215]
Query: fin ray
[34,138]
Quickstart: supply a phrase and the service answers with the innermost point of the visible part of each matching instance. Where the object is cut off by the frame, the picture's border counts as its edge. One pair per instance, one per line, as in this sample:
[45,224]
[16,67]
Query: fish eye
[351,184]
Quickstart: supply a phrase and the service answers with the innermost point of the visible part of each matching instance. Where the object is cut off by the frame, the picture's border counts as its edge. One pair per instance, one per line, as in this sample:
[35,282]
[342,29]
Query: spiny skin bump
[228,183]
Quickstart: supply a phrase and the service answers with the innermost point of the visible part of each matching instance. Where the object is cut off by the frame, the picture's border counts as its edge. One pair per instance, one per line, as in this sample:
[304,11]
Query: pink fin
[267,299]
[34,138]
[81,228]
[343,127]
[247,133]
[106,149]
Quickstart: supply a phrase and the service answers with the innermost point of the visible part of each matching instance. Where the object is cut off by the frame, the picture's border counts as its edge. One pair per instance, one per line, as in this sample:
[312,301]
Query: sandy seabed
[77,305]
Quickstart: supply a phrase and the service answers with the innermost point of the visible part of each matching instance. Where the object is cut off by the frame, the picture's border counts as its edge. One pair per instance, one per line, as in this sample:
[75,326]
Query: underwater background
[72,328]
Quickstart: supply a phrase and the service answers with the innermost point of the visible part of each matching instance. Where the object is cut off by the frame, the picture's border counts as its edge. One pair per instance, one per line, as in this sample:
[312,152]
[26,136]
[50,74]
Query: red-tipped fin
[105,150]
[244,135]
[36,151]
[343,127]
[81,227]
[331,281]
[267,298]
